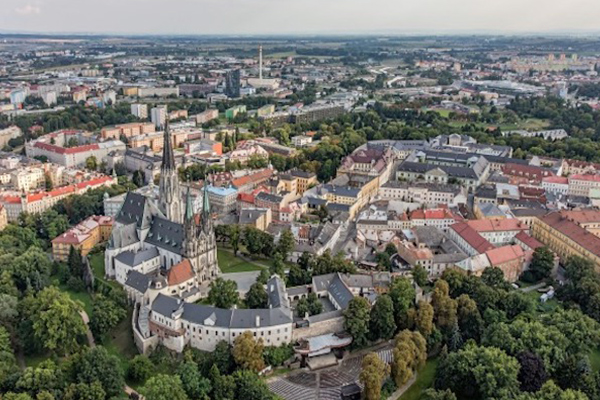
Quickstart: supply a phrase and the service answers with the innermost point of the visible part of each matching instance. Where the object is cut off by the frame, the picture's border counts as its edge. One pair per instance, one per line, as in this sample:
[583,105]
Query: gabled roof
[180,273]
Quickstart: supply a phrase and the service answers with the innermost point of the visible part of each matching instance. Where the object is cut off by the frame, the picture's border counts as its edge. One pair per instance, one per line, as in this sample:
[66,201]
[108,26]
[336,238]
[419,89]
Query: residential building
[559,185]
[158,116]
[566,238]
[468,240]
[54,146]
[39,202]
[140,111]
[83,237]
[206,116]
[127,130]
[259,218]
[580,185]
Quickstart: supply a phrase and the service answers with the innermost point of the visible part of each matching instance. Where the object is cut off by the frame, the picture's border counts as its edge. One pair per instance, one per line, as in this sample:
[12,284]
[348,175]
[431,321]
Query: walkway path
[533,287]
[92,343]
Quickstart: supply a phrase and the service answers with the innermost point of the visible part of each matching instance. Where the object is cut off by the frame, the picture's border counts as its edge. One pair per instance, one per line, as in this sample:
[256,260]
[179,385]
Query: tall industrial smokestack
[260,62]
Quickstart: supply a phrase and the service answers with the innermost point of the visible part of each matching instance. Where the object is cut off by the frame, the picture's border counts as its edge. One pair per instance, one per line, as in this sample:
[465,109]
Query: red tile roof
[585,177]
[488,225]
[576,233]
[529,241]
[180,273]
[582,216]
[504,254]
[474,239]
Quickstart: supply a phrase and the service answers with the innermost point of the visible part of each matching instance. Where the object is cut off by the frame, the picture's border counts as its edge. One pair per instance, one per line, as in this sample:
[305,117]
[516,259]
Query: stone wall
[332,325]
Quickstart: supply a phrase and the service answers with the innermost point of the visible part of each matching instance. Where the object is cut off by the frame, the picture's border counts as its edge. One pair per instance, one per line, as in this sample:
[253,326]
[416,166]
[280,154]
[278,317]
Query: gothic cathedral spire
[206,218]
[169,191]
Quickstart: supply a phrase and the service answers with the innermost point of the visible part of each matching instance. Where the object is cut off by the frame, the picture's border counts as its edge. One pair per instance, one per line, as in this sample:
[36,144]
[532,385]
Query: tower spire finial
[168,156]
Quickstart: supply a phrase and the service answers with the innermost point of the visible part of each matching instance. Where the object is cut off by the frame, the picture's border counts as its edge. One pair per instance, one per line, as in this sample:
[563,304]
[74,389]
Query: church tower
[200,244]
[169,191]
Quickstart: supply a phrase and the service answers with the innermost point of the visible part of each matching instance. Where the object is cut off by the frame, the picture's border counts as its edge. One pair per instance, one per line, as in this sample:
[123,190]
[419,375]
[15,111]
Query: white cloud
[28,10]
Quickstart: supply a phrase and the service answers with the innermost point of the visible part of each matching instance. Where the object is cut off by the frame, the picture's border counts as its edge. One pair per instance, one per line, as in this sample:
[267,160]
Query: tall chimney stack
[260,62]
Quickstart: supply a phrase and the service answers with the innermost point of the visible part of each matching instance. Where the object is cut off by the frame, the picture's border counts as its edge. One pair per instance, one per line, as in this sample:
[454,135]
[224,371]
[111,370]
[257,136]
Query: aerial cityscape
[274,214]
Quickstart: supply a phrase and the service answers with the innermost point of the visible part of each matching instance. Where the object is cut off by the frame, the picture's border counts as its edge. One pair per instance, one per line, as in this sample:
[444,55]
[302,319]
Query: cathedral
[163,241]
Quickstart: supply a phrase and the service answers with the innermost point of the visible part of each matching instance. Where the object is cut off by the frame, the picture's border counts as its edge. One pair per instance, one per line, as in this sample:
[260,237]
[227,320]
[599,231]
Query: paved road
[532,288]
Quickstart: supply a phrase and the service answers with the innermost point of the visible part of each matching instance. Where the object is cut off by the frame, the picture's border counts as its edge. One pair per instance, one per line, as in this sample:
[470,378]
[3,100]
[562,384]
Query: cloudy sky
[298,16]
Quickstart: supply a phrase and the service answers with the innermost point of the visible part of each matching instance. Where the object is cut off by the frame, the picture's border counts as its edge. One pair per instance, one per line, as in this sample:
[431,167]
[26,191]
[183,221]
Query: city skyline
[252,17]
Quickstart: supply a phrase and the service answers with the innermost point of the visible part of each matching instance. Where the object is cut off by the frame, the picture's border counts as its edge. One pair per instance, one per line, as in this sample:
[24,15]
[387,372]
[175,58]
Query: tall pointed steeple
[169,191]
[206,220]
[168,162]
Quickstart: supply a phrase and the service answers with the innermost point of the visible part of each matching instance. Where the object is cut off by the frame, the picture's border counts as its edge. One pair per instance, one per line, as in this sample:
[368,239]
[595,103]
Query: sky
[206,17]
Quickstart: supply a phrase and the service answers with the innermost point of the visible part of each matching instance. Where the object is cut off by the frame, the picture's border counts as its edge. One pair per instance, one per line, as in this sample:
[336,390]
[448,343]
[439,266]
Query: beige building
[27,179]
[127,130]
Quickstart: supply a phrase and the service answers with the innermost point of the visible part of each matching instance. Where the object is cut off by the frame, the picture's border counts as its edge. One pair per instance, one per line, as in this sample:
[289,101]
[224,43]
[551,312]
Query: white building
[158,116]
[140,110]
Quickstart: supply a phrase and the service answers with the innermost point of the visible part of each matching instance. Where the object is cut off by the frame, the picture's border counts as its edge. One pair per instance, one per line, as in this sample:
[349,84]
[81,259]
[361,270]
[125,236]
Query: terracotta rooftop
[474,239]
[529,241]
[488,225]
[573,231]
[504,254]
[180,273]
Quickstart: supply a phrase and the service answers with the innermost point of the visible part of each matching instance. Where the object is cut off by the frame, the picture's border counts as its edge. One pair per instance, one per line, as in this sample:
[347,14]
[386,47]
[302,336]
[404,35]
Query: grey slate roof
[138,281]
[123,235]
[276,293]
[132,259]
[235,319]
[340,292]
[166,234]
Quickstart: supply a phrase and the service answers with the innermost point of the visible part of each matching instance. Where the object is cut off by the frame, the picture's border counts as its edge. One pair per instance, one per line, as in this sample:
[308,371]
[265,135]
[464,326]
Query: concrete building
[158,116]
[140,111]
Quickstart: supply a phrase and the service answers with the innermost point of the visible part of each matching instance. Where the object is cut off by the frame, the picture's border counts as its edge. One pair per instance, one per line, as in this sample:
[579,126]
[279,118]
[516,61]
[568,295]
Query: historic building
[167,229]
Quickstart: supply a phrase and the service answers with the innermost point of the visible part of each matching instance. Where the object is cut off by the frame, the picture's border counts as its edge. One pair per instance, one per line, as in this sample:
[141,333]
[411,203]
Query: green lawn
[97,263]
[230,263]
[424,381]
[83,297]
[119,342]
[595,360]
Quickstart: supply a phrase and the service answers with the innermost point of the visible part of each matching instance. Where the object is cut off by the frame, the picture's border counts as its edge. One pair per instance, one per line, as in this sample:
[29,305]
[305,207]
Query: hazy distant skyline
[298,17]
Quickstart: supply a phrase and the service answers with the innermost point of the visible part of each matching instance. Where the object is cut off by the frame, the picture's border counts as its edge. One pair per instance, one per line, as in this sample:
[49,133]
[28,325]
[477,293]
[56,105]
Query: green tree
[493,276]
[420,275]
[91,163]
[83,391]
[8,364]
[56,320]
[286,244]
[470,322]
[138,178]
[444,306]
[106,315]
[75,263]
[140,368]
[223,293]
[410,354]
[403,295]
[249,386]
[256,297]
[47,376]
[382,325]
[478,373]
[541,264]
[373,373]
[424,318]
[248,352]
[432,394]
[194,384]
[234,238]
[164,387]
[97,365]
[356,320]
[223,386]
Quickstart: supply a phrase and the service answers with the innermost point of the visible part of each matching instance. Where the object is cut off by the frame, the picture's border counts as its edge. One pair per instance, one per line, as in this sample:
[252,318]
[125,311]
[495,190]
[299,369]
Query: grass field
[424,381]
[595,360]
[230,263]
[82,297]
[120,342]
